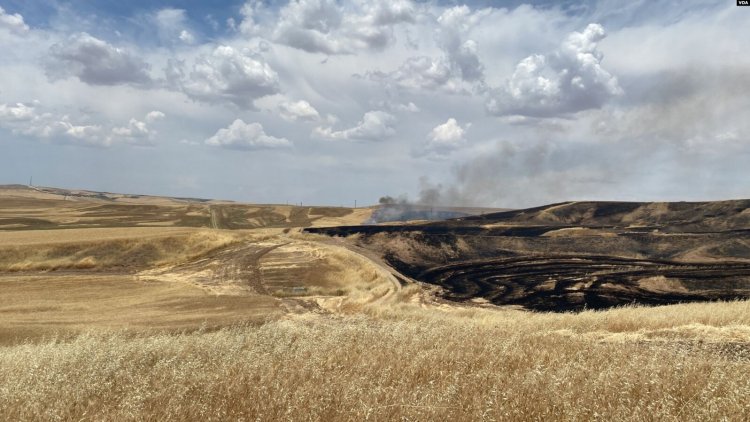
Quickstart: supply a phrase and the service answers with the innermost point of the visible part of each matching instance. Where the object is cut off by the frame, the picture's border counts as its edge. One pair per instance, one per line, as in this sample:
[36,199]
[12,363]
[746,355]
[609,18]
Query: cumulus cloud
[16,112]
[30,121]
[462,54]
[445,138]
[310,25]
[96,62]
[12,22]
[569,80]
[226,75]
[186,37]
[421,72]
[155,115]
[374,126]
[457,71]
[249,24]
[246,136]
[137,132]
[298,110]
[326,26]
[61,128]
[135,129]
[408,107]
[372,28]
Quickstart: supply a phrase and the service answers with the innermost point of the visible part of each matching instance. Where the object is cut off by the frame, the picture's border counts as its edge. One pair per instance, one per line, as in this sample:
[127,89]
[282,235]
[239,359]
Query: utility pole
[355,203]
[31,180]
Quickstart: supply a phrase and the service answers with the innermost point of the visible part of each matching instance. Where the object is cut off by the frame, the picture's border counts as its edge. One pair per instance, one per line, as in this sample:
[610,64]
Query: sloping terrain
[576,255]
[40,208]
[80,260]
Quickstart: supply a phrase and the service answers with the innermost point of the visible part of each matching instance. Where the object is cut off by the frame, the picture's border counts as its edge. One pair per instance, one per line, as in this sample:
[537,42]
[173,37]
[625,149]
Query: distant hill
[575,255]
[667,216]
[388,213]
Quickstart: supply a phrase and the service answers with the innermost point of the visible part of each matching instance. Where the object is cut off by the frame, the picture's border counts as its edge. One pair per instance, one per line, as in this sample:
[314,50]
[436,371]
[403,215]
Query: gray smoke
[674,136]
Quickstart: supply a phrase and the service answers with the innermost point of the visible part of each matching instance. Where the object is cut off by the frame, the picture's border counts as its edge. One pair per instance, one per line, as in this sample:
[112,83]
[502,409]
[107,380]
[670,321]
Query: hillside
[44,208]
[664,216]
[576,255]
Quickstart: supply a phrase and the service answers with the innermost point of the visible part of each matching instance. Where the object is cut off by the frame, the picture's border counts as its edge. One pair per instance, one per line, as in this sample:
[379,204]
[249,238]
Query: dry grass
[578,232]
[36,306]
[47,237]
[356,217]
[128,249]
[303,266]
[407,363]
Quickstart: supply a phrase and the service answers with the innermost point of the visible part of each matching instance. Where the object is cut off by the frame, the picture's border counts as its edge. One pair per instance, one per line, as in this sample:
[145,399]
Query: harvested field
[26,208]
[34,307]
[107,249]
[117,274]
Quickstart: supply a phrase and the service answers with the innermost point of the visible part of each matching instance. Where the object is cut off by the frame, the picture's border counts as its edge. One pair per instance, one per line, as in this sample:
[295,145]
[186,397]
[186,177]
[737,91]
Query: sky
[483,103]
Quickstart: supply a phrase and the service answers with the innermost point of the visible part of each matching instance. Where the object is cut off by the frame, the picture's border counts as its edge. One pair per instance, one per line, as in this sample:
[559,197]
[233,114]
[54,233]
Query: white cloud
[410,107]
[454,24]
[298,110]
[29,121]
[186,37]
[373,27]
[16,112]
[445,138]
[457,71]
[61,128]
[96,62]
[310,25]
[248,25]
[422,73]
[226,75]
[571,79]
[137,132]
[325,26]
[374,126]
[12,22]
[155,115]
[246,136]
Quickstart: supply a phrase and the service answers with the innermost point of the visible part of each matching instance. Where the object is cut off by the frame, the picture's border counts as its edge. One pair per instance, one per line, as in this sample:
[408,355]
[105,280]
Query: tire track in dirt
[233,270]
[393,275]
[214,218]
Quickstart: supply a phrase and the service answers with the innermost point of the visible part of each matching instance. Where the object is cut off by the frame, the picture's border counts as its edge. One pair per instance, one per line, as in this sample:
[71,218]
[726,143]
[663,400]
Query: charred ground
[576,255]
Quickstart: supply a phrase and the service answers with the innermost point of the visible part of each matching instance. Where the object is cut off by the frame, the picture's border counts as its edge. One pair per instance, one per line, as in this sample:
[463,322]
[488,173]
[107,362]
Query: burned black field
[577,255]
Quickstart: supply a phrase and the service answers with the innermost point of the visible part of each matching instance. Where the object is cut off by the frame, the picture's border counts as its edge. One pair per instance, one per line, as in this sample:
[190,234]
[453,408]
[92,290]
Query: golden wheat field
[196,323]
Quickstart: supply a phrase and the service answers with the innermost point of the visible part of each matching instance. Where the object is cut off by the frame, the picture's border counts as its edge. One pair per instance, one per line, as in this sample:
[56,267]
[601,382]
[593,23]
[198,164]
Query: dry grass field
[126,322]
[25,208]
[400,361]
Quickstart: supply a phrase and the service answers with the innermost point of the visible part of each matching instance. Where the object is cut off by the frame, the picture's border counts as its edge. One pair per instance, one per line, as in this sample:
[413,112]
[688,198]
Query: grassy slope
[400,361]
